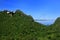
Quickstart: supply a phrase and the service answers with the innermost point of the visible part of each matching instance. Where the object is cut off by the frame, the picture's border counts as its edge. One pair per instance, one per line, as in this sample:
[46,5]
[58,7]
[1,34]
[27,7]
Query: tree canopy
[23,27]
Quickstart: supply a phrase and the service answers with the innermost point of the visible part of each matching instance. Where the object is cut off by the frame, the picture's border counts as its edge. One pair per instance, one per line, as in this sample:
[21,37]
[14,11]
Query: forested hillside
[19,26]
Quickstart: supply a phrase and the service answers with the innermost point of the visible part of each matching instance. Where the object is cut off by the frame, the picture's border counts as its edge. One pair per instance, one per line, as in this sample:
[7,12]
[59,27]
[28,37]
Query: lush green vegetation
[19,26]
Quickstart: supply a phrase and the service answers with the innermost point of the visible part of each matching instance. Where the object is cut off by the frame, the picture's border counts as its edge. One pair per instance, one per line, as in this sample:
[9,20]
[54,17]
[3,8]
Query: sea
[48,22]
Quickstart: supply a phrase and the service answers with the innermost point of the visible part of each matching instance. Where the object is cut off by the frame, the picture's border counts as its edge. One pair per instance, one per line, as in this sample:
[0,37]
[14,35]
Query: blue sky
[38,9]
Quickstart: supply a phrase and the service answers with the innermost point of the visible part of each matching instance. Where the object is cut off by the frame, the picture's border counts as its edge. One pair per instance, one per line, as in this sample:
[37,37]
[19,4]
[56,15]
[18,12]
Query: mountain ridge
[19,26]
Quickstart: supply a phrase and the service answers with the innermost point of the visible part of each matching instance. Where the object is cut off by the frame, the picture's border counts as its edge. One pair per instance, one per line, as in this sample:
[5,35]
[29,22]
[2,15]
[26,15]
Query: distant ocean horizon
[49,22]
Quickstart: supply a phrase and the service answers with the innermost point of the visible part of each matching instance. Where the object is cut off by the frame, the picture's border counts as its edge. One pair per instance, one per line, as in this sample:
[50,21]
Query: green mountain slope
[54,30]
[19,26]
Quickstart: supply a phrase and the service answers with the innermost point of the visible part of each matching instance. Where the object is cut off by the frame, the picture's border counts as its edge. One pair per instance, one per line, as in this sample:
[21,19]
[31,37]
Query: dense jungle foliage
[19,26]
